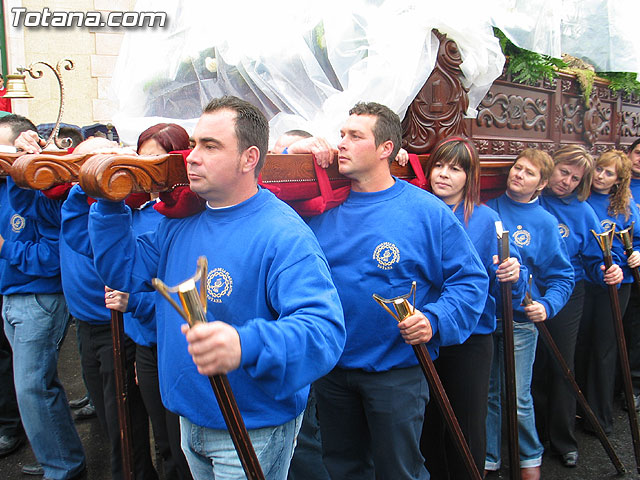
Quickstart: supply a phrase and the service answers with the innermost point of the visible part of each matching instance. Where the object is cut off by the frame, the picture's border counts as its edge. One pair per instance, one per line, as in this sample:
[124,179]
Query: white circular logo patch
[564,230]
[17,223]
[521,237]
[386,254]
[606,224]
[219,284]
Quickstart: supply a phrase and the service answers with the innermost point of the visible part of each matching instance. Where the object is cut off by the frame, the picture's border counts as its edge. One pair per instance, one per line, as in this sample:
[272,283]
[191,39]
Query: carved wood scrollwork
[630,124]
[597,121]
[438,109]
[6,160]
[513,112]
[115,176]
[43,171]
[572,117]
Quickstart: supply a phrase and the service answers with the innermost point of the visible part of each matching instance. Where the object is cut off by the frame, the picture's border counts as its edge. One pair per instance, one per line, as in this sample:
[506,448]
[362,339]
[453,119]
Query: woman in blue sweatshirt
[543,252]
[454,175]
[555,403]
[140,316]
[596,348]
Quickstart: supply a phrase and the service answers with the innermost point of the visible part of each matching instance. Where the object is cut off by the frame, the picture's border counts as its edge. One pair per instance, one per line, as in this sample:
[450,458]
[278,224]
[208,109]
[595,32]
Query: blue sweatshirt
[600,204]
[481,229]
[267,277]
[635,192]
[379,243]
[83,288]
[29,258]
[576,220]
[140,317]
[543,251]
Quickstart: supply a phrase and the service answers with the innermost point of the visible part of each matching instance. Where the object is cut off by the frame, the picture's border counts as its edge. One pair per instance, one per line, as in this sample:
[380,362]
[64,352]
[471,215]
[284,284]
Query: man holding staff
[387,234]
[275,322]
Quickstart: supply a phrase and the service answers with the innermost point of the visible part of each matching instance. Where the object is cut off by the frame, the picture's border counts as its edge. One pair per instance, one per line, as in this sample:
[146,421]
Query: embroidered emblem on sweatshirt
[386,254]
[521,237]
[219,284]
[606,224]
[564,230]
[17,223]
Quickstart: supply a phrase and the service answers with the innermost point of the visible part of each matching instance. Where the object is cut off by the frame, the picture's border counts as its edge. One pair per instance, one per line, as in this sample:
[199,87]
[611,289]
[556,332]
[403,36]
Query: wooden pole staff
[193,310]
[509,361]
[120,373]
[404,310]
[591,417]
[626,236]
[605,240]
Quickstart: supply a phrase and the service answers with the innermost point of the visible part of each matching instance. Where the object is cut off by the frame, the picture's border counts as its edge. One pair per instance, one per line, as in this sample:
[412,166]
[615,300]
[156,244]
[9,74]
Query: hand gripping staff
[404,310]
[626,236]
[604,240]
[509,360]
[194,310]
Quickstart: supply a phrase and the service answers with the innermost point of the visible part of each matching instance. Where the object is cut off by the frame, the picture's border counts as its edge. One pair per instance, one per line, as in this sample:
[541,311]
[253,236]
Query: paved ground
[594,463]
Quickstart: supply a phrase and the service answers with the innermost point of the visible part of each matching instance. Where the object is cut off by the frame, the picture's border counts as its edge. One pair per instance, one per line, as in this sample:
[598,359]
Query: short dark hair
[387,125]
[252,128]
[74,134]
[298,133]
[17,124]
[169,136]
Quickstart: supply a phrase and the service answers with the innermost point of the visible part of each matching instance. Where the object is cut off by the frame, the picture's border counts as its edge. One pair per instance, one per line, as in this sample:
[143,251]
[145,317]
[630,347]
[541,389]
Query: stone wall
[93,51]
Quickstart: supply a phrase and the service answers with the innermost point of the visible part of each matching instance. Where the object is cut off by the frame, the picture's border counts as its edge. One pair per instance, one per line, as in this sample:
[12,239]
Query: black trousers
[597,351]
[553,398]
[166,424]
[464,371]
[98,368]
[631,322]
[370,423]
[307,463]
[10,423]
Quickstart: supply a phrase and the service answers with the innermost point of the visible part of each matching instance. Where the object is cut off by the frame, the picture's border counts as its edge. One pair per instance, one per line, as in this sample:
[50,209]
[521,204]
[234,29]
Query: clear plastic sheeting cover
[603,33]
[304,63]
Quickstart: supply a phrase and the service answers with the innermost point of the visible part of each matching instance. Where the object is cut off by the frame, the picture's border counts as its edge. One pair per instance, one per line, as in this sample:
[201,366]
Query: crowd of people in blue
[327,383]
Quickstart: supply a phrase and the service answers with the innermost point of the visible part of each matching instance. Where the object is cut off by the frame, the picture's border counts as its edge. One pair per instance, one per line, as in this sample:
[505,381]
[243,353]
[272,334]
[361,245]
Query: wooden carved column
[438,109]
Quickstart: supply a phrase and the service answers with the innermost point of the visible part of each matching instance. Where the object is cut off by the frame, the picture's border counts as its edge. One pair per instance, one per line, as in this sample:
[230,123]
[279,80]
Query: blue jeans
[35,325]
[525,336]
[211,454]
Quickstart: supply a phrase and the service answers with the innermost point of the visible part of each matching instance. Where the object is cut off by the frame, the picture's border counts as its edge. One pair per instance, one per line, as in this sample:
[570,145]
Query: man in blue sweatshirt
[387,234]
[275,321]
[35,321]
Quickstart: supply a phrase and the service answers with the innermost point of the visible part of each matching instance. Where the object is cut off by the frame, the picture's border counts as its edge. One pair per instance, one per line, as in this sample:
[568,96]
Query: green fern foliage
[526,66]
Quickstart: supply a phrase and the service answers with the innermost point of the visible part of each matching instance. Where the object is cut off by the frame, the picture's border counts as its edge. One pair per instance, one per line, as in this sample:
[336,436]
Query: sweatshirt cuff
[109,207]
[250,345]
[547,308]
[433,320]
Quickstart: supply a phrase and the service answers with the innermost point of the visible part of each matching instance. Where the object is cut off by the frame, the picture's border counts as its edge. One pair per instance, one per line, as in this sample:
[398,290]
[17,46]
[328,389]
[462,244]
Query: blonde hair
[620,194]
[542,161]
[577,155]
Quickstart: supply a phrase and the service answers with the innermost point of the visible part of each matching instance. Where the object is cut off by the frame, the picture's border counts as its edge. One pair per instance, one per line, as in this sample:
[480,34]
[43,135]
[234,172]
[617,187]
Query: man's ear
[386,149]
[249,159]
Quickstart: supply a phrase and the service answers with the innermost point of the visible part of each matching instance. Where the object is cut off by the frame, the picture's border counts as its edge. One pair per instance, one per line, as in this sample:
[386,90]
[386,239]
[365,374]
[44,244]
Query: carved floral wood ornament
[438,110]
